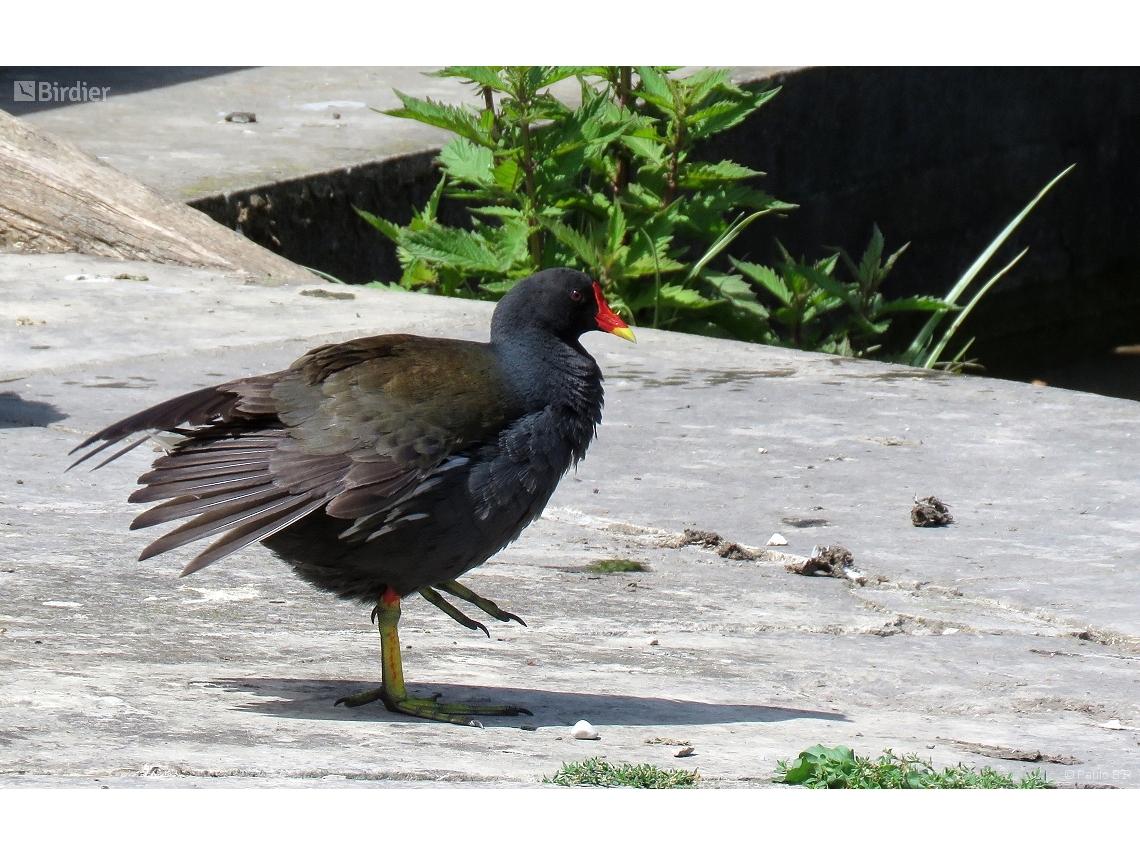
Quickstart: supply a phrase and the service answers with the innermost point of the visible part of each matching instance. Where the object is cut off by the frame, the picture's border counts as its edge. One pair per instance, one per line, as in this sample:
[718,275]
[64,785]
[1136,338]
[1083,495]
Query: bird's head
[562,301]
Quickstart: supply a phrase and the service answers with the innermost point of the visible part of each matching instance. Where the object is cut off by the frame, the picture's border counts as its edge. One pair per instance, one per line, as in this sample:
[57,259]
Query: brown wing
[352,427]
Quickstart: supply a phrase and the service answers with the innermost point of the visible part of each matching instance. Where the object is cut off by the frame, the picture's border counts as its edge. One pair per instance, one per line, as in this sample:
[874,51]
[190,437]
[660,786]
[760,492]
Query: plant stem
[489,101]
[675,144]
[624,87]
[534,236]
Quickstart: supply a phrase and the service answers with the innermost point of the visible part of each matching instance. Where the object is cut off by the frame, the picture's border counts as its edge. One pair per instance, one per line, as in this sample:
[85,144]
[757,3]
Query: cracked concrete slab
[1016,628]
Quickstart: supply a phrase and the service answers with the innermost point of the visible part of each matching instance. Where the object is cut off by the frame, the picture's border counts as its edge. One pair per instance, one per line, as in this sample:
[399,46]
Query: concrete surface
[309,121]
[1015,628]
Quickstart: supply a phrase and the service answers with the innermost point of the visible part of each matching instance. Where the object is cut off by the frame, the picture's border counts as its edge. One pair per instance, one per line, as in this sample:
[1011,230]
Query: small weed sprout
[841,768]
[596,772]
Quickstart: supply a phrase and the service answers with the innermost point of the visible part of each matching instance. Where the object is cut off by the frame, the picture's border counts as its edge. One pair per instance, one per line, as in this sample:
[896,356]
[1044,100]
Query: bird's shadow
[314,699]
[16,412]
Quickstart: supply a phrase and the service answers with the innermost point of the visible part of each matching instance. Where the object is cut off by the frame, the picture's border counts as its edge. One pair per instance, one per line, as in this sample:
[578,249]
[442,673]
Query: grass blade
[722,242]
[961,316]
[917,353]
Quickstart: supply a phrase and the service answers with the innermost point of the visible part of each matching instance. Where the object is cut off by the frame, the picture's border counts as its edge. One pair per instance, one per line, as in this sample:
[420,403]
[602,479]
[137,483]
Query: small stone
[687,751]
[777,540]
[584,730]
[530,727]
[930,747]
[761,451]
[653,642]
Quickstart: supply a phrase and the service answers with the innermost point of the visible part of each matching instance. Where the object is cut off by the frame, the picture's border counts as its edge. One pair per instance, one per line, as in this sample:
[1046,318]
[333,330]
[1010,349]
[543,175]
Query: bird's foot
[432,709]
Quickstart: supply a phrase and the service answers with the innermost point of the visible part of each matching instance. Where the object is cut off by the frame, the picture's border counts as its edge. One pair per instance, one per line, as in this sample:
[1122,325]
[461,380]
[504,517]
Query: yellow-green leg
[392,691]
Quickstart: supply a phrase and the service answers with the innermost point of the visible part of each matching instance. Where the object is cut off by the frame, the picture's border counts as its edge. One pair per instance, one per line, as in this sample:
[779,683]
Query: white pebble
[777,540]
[584,730]
[761,451]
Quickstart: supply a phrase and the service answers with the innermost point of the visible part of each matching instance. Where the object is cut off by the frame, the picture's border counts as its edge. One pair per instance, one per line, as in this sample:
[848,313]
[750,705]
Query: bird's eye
[577,296]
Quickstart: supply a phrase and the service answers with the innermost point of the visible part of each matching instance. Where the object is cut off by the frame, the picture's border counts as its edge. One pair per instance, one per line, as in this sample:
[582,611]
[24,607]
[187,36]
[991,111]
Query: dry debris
[930,513]
[712,540]
[1010,753]
[660,740]
[829,561]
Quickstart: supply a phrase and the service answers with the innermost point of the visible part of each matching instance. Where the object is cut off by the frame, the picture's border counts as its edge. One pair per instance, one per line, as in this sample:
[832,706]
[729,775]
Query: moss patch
[617,565]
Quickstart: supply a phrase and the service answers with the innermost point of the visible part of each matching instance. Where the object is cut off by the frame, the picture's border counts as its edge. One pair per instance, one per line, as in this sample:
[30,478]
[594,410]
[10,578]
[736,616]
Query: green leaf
[655,87]
[652,151]
[700,84]
[484,75]
[389,230]
[719,117]
[508,174]
[500,211]
[497,288]
[821,279]
[427,217]
[766,277]
[697,176]
[459,120]
[455,247]
[464,160]
[578,243]
[679,297]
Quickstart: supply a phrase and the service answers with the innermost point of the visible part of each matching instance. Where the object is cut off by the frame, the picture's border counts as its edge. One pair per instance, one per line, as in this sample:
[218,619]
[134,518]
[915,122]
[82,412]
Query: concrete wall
[311,220]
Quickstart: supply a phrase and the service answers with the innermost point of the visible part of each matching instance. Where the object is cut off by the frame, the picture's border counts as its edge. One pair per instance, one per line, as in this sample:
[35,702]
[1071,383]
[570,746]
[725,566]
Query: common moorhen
[386,466]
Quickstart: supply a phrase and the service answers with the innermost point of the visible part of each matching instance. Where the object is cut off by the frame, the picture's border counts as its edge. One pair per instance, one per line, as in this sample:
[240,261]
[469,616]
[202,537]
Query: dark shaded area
[121,80]
[1117,376]
[944,158]
[16,412]
[311,220]
[313,699]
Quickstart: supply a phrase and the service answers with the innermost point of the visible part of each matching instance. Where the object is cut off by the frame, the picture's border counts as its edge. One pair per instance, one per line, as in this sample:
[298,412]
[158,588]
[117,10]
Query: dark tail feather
[120,452]
[232,514]
[196,407]
[248,533]
[201,487]
[188,506]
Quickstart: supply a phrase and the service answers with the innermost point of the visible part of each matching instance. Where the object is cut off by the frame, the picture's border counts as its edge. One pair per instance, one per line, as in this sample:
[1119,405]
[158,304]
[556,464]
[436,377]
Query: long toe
[361,698]
[465,714]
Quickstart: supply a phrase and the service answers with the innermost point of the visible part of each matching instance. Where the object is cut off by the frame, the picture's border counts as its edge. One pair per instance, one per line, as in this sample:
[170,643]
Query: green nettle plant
[613,187]
[816,310]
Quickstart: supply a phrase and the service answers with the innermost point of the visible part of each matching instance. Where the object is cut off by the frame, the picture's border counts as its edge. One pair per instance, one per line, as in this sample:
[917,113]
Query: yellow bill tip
[625,332]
